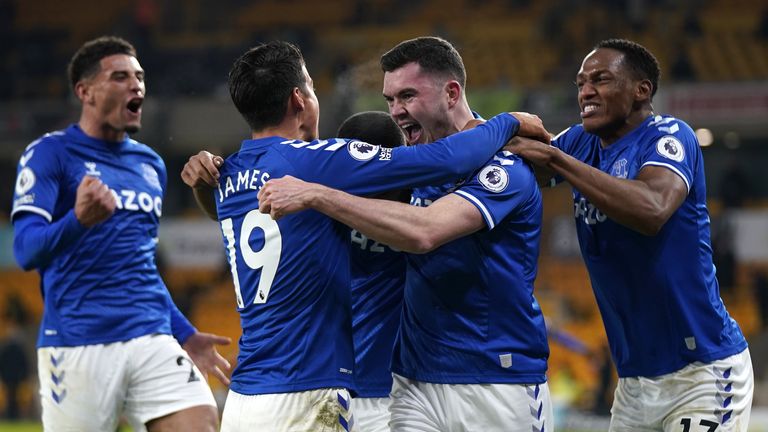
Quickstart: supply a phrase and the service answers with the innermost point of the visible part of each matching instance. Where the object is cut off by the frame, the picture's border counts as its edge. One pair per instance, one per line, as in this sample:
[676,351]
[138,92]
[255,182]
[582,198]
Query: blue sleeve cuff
[72,226]
[36,241]
[516,127]
[181,328]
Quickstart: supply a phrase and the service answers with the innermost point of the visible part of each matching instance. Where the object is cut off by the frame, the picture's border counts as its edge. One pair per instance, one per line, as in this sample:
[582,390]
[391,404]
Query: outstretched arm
[408,228]
[643,204]
[200,346]
[544,175]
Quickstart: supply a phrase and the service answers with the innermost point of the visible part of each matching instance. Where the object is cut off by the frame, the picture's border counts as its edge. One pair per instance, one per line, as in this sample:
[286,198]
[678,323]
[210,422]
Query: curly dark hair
[640,62]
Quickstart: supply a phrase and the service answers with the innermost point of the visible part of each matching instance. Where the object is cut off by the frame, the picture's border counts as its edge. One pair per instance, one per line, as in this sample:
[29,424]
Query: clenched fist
[94,202]
[202,170]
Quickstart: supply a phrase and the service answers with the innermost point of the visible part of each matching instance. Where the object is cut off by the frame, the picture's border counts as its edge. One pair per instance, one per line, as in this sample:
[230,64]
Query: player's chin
[133,128]
[591,125]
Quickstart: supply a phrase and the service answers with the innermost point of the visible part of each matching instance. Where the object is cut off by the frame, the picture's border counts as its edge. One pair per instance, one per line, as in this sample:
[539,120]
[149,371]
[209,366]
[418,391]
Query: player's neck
[281,130]
[631,123]
[461,116]
[100,130]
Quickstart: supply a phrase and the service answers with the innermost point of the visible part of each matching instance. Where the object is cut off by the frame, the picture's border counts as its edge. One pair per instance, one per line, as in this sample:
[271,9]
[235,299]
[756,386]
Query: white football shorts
[88,388]
[427,407]
[321,410]
[371,414]
[701,397]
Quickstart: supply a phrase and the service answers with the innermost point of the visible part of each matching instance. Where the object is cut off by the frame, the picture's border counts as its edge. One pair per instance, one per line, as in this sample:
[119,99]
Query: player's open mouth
[588,109]
[134,105]
[412,132]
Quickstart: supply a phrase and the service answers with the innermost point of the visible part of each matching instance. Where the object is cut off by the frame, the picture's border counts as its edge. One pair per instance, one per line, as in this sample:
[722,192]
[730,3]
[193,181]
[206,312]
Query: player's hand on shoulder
[286,195]
[94,202]
[531,149]
[531,126]
[202,170]
[535,152]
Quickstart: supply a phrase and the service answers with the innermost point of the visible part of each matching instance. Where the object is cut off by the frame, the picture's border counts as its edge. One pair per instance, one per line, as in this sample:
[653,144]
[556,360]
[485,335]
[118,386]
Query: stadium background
[521,55]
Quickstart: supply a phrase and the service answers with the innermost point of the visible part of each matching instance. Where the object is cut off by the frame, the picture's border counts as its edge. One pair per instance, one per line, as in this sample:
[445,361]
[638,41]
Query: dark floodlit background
[521,55]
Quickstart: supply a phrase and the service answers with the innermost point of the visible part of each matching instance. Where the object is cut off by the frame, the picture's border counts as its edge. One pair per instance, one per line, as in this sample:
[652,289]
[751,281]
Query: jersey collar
[80,137]
[262,142]
[627,140]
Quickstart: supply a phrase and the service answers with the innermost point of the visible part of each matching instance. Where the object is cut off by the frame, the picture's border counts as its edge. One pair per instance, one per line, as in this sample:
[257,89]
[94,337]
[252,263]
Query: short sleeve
[674,146]
[500,188]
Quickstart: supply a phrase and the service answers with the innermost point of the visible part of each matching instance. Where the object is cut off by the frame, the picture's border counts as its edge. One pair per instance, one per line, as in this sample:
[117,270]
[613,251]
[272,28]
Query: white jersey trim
[675,170]
[32,209]
[339,144]
[560,134]
[483,209]
[327,145]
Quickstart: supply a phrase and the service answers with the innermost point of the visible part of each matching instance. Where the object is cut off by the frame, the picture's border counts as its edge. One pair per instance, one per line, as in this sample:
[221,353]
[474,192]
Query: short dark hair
[85,63]
[640,62]
[374,127]
[433,54]
[261,82]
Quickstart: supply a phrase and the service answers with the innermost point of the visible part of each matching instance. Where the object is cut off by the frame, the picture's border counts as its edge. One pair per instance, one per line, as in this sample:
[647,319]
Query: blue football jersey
[658,295]
[378,280]
[103,286]
[469,313]
[292,276]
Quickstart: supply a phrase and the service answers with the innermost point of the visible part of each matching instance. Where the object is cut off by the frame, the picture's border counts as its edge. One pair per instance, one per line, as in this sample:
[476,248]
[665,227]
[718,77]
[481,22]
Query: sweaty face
[606,94]
[418,103]
[311,123]
[116,94]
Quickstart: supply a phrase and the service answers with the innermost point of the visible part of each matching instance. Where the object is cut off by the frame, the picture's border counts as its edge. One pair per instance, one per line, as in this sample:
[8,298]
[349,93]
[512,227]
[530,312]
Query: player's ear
[83,91]
[644,90]
[453,91]
[296,101]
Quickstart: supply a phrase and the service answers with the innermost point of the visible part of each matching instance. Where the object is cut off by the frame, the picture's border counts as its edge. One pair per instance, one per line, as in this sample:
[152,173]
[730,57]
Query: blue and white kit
[659,298]
[470,316]
[292,276]
[99,284]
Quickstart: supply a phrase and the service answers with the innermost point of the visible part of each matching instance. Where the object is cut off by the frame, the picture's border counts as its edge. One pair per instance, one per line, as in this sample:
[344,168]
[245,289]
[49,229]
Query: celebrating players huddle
[361,312]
